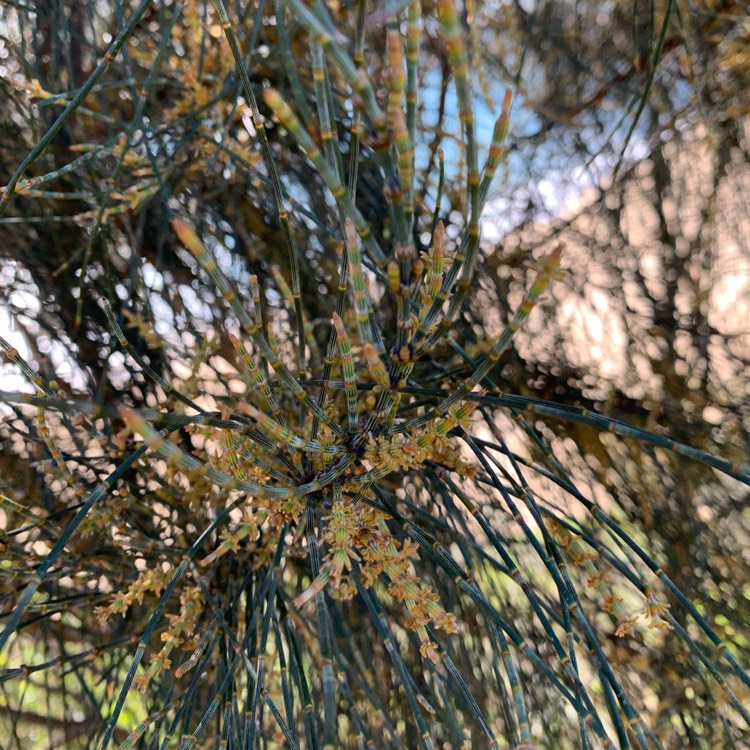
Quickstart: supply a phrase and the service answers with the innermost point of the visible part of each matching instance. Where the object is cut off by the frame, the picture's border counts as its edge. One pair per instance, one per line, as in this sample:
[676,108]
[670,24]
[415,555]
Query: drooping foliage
[293,456]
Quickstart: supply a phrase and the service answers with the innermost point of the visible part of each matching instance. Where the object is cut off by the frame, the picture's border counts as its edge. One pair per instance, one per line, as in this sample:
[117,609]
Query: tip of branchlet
[314,588]
[350,231]
[341,334]
[552,263]
[507,100]
[271,97]
[130,416]
[438,239]
[188,237]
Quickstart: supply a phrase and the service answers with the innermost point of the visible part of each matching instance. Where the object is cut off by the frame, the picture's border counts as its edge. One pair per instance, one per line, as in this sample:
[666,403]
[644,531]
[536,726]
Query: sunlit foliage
[292,456]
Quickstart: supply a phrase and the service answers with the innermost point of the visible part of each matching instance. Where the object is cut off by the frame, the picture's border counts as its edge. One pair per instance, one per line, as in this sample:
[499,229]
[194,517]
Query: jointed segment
[279,434]
[547,272]
[347,366]
[258,377]
[193,243]
[392,500]
[290,121]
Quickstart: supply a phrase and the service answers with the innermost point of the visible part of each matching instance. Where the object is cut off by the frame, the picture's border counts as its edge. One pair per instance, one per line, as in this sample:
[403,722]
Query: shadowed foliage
[298,452]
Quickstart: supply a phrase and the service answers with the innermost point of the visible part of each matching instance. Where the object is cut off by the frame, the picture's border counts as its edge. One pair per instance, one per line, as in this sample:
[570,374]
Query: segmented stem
[547,272]
[347,367]
[273,173]
[290,121]
[258,377]
[278,434]
[75,103]
[354,77]
[193,243]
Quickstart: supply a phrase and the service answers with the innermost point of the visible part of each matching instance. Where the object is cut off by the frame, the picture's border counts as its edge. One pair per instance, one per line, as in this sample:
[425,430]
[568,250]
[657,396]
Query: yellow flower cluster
[179,634]
[152,580]
[410,451]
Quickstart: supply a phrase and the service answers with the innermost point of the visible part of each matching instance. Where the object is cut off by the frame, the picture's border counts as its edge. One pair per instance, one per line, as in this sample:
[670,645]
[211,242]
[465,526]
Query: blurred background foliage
[629,144]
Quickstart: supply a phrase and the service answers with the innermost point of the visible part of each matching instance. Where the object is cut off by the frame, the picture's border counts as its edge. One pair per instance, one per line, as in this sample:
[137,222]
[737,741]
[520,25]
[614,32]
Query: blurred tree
[651,325]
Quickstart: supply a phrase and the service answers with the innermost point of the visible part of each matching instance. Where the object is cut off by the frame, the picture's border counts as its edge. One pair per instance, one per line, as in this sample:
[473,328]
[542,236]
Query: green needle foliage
[314,514]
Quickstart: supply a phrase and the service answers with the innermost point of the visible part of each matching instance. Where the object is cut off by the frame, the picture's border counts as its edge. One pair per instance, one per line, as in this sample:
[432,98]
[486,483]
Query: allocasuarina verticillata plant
[330,539]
